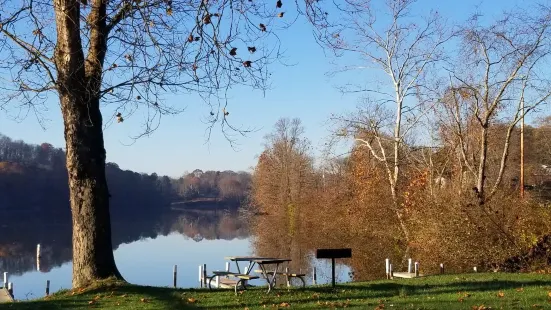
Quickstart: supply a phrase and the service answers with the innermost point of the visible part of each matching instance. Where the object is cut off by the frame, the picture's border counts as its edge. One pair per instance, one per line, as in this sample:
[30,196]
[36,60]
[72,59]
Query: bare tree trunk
[481,178]
[80,105]
[92,248]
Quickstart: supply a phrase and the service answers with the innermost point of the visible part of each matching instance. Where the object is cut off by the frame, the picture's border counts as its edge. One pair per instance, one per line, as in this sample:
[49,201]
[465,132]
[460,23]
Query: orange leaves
[280,14]
[191,300]
[500,294]
[463,295]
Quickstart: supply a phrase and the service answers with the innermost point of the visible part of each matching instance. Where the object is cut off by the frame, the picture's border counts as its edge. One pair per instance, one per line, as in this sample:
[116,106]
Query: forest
[437,215]
[41,171]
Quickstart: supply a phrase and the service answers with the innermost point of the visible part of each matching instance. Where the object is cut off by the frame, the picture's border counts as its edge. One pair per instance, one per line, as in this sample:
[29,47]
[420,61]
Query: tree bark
[92,247]
[78,90]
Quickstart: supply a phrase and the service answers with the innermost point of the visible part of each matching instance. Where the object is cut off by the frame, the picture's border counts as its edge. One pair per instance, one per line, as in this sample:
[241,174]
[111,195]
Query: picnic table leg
[271,282]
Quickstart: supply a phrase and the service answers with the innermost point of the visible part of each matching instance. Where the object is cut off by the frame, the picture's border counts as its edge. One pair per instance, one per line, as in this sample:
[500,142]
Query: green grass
[464,291]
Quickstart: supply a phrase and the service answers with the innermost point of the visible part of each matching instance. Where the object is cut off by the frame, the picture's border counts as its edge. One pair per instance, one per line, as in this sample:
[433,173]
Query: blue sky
[302,90]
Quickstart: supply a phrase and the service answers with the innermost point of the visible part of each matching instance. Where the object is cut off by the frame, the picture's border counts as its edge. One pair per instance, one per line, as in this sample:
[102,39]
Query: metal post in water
[314,277]
[205,275]
[47,287]
[174,275]
[5,280]
[333,272]
[409,265]
[416,269]
[10,289]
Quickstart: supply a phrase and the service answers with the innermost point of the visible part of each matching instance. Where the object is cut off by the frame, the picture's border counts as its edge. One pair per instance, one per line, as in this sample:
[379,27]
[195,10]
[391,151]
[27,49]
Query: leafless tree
[95,55]
[385,40]
[499,76]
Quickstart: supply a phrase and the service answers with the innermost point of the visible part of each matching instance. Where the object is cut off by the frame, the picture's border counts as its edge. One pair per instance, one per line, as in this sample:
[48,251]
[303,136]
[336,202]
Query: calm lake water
[145,251]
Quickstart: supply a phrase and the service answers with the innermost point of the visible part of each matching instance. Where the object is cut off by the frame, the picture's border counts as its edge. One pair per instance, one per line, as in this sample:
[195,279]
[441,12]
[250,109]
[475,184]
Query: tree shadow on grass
[116,297]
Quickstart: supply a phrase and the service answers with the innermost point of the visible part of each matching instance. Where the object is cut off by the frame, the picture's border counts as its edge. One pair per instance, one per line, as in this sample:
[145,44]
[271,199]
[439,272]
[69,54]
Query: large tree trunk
[92,248]
[78,83]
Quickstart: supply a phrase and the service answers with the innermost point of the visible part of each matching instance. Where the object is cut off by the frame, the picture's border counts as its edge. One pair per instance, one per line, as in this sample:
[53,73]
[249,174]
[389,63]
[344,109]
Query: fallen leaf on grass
[549,294]
[284,304]
[191,300]
[123,295]
[520,289]
[144,300]
[500,294]
[91,302]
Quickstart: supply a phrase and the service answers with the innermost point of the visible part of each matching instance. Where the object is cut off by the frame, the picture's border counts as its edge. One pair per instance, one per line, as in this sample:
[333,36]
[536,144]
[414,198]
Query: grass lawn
[465,291]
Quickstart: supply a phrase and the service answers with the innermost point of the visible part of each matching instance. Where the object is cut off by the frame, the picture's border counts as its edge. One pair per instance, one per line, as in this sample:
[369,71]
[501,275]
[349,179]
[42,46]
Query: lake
[145,249]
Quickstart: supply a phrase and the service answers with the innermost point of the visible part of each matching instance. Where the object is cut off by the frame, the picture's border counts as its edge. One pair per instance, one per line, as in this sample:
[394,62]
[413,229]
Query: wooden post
[314,277]
[47,287]
[205,275]
[5,280]
[201,275]
[287,276]
[441,268]
[416,269]
[387,265]
[409,265]
[10,289]
[333,272]
[174,275]
[38,255]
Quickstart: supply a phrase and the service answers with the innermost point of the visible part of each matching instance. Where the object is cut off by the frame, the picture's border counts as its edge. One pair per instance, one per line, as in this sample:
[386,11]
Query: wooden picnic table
[263,263]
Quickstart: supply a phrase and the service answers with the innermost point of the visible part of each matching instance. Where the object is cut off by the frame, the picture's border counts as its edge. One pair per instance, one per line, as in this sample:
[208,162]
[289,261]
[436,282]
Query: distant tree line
[33,183]
[226,185]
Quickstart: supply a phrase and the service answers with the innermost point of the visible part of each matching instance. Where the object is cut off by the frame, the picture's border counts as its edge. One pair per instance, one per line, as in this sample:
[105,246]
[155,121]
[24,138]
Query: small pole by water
[314,277]
[10,289]
[442,268]
[387,267]
[409,265]
[227,266]
[390,273]
[205,275]
[5,280]
[201,275]
[333,272]
[38,255]
[47,287]
[174,275]
[416,269]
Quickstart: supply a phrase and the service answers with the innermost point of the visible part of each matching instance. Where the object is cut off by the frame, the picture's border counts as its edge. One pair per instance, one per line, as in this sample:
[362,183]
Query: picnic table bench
[288,275]
[240,282]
